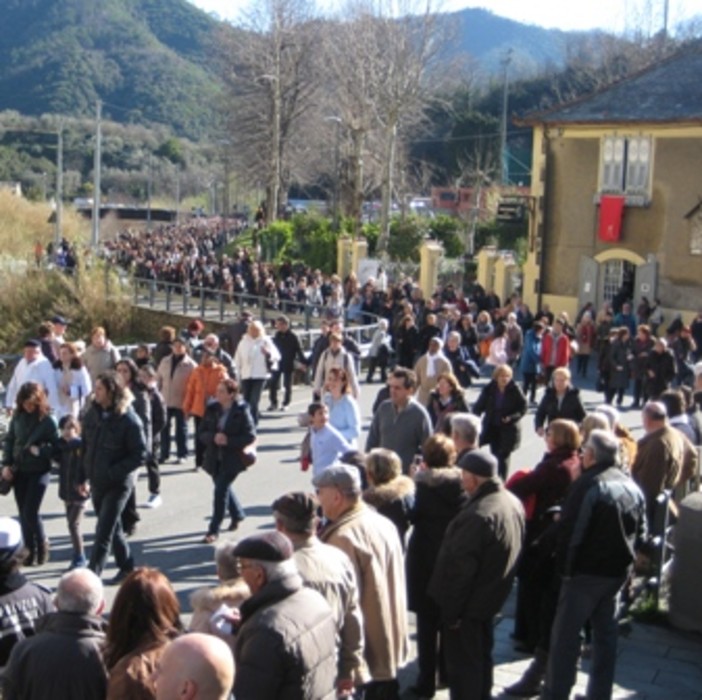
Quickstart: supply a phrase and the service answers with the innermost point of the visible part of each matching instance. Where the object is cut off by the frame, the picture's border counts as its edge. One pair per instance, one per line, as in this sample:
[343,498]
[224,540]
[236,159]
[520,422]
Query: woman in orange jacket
[199,392]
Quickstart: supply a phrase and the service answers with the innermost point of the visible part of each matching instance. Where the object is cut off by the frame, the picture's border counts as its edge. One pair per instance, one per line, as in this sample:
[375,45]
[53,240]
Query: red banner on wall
[611,213]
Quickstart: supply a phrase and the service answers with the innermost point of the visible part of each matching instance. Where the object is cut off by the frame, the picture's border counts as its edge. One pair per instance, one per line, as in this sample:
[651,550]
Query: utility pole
[58,233]
[96,184]
[148,192]
[177,194]
[504,156]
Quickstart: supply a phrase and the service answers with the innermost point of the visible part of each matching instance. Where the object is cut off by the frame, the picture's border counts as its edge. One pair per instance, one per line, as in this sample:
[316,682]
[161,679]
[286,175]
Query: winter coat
[286,645]
[289,347]
[74,387]
[571,407]
[406,345]
[619,364]
[328,571]
[439,496]
[173,383]
[69,455]
[662,365]
[206,601]
[113,444]
[664,458]
[425,383]
[240,431]
[642,351]
[531,354]
[22,604]
[562,357]
[515,342]
[548,483]
[602,520]
[201,388]
[462,365]
[394,500]
[132,676]
[440,412]
[477,562]
[586,335]
[373,546]
[28,430]
[62,661]
[100,360]
[255,357]
[513,408]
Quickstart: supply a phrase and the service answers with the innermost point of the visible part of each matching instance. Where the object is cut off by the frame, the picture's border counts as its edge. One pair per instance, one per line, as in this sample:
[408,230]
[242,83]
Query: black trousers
[275,385]
[469,659]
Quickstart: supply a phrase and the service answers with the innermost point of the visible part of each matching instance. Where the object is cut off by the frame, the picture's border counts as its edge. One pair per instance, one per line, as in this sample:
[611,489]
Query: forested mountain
[151,60]
[147,59]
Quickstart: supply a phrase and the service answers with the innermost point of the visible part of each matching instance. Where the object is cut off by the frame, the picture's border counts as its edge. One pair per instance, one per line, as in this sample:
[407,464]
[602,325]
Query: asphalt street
[169,537]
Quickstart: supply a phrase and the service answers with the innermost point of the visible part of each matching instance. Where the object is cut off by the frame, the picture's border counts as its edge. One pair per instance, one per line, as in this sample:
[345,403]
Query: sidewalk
[653,663]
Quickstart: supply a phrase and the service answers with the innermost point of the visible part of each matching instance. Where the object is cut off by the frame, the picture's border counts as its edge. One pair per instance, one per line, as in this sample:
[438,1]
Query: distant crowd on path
[421,518]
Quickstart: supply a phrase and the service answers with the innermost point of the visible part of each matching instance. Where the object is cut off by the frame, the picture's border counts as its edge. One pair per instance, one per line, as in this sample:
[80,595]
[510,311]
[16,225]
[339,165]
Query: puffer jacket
[113,444]
[286,645]
[570,408]
[29,430]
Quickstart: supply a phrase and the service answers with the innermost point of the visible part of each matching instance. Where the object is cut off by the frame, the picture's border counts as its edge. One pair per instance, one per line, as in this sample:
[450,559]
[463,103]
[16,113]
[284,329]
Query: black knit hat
[269,546]
[479,463]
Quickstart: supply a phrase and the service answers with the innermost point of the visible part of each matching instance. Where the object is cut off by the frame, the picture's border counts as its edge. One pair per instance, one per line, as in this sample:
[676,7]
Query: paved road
[654,662]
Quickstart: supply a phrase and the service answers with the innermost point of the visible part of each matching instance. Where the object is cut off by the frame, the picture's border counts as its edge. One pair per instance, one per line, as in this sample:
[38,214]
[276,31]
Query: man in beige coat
[373,546]
[428,368]
[327,570]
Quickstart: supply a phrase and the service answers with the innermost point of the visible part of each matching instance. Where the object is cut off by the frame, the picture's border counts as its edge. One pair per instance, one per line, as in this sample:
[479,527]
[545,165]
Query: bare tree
[269,69]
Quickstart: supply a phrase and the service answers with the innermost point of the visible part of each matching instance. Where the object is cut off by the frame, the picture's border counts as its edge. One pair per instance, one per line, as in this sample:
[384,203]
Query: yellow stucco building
[636,144]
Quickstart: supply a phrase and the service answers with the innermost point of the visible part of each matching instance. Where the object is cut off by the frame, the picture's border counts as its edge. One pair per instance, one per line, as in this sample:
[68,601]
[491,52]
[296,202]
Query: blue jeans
[181,435]
[224,499]
[251,390]
[109,503]
[584,598]
[29,493]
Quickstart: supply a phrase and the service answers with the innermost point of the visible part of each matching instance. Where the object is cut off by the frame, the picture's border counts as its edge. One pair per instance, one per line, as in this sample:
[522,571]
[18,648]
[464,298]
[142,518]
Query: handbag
[247,456]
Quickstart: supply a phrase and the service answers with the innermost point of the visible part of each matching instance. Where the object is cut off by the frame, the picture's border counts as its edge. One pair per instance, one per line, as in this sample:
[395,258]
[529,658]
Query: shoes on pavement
[233,525]
[272,407]
[209,538]
[78,563]
[284,407]
[154,501]
[119,577]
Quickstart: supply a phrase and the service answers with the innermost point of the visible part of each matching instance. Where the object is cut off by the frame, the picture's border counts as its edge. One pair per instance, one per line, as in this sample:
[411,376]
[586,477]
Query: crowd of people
[427,516]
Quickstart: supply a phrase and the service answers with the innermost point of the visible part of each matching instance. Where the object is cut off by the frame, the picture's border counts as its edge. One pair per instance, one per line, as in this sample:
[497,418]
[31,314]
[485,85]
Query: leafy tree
[447,230]
[406,236]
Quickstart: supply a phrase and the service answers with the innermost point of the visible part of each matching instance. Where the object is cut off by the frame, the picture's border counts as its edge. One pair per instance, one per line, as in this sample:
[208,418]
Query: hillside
[146,59]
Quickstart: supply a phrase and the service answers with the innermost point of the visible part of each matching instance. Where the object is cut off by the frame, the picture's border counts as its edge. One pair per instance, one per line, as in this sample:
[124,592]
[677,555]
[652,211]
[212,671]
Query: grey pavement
[654,662]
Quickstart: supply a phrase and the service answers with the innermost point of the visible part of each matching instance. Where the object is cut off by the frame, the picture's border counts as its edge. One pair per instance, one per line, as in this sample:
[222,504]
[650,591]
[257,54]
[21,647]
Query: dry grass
[29,296]
[23,223]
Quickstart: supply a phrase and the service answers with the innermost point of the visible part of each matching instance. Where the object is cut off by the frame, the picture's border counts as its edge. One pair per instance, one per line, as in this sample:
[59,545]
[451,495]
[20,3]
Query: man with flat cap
[327,570]
[286,645]
[474,573]
[371,542]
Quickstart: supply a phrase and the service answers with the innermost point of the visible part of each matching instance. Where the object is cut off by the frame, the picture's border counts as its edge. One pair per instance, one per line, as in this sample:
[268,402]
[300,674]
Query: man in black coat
[602,521]
[474,573]
[63,660]
[288,345]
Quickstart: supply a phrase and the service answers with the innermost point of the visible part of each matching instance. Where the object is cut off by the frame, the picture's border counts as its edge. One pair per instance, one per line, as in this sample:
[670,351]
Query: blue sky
[614,15]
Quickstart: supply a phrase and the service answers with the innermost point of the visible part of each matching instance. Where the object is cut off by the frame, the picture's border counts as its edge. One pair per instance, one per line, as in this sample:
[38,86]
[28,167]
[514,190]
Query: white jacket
[250,360]
[39,371]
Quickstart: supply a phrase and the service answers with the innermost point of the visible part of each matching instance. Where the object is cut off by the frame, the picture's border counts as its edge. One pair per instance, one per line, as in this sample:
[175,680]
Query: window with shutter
[626,167]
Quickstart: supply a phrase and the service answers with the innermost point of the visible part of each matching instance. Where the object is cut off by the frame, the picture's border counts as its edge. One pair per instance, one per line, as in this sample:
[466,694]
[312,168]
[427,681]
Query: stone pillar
[486,264]
[430,255]
[344,257]
[505,269]
[685,602]
[359,251]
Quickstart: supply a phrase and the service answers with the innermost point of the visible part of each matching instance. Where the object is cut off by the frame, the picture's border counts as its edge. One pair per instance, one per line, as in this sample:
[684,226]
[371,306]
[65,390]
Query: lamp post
[504,164]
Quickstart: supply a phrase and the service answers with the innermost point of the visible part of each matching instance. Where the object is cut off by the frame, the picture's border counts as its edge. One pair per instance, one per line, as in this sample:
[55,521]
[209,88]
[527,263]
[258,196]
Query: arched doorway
[616,276]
